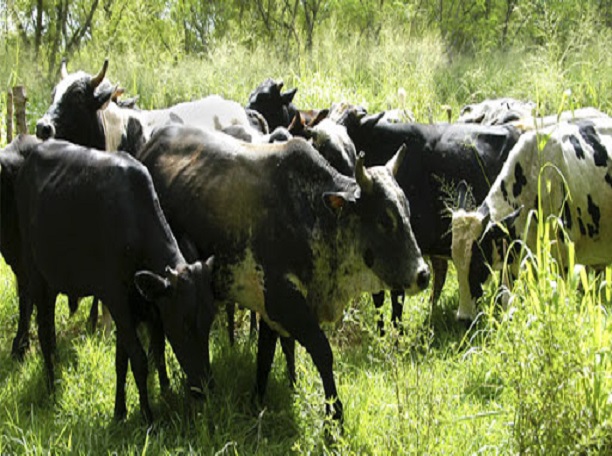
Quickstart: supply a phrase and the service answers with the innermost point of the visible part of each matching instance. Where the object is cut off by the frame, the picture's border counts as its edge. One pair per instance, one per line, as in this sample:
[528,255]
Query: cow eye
[387,223]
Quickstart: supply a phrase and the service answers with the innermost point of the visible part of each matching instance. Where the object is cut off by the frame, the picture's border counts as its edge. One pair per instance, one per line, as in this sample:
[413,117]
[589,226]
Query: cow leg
[397,307]
[287,305]
[253,324]
[439,268]
[21,342]
[157,347]
[379,300]
[230,311]
[266,345]
[127,337]
[288,346]
[92,321]
[73,304]
[107,320]
[45,316]
[121,366]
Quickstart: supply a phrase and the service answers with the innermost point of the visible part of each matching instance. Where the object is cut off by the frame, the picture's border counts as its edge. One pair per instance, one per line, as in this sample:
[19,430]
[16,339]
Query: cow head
[478,245]
[331,141]
[185,301]
[276,106]
[73,114]
[386,241]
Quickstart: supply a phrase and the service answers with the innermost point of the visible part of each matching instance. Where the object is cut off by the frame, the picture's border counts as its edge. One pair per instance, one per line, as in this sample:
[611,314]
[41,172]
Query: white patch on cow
[562,173]
[115,123]
[247,283]
[332,287]
[398,116]
[466,229]
[212,112]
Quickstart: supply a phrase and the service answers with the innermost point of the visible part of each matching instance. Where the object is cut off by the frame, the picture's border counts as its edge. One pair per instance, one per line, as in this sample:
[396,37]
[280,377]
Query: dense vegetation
[535,379]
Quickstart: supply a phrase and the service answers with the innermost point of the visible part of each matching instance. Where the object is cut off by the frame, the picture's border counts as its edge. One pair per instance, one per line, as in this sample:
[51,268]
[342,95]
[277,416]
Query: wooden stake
[20,99]
[9,117]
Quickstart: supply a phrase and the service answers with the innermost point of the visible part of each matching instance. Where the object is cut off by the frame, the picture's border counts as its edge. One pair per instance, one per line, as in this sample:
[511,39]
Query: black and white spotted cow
[523,115]
[577,153]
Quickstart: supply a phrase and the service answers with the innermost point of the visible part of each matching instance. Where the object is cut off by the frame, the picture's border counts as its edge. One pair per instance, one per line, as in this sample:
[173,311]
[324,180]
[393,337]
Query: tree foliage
[53,29]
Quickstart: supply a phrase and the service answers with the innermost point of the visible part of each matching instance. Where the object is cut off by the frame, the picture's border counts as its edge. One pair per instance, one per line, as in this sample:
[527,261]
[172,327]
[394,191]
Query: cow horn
[97,79]
[485,212]
[394,164]
[173,275]
[63,69]
[362,175]
[461,194]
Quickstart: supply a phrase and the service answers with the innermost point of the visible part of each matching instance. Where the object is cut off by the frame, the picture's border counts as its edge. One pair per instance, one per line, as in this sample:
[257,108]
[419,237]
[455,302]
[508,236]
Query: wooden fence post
[9,117]
[19,100]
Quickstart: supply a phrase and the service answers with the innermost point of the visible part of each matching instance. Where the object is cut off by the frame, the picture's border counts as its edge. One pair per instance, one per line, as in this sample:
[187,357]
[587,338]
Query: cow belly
[243,282]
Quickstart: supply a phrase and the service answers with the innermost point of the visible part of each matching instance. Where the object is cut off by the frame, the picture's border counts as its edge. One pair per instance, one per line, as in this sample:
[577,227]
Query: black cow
[91,224]
[11,161]
[437,156]
[292,238]
[276,107]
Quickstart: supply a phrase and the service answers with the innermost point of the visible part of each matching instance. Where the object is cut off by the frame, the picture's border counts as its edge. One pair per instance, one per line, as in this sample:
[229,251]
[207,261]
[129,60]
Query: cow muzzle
[423,276]
[44,129]
[420,280]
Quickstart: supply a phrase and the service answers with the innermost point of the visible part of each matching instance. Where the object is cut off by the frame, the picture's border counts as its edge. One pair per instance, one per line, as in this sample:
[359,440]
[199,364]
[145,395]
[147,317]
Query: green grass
[536,379]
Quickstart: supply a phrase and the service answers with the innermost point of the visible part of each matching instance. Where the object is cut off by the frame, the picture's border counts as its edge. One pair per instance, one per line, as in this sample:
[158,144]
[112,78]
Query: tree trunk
[39,26]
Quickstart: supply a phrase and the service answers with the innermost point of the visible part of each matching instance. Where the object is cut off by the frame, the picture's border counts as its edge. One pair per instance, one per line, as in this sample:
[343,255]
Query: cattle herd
[289,213]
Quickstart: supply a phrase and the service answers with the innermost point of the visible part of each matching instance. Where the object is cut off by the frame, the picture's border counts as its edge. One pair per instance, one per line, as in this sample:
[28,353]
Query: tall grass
[535,379]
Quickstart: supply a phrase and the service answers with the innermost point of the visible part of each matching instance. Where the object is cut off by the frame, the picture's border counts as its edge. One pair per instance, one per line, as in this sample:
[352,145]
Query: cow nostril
[44,130]
[423,278]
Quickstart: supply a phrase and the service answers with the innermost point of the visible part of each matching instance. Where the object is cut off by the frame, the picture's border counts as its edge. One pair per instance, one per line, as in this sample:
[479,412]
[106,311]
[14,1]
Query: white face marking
[64,84]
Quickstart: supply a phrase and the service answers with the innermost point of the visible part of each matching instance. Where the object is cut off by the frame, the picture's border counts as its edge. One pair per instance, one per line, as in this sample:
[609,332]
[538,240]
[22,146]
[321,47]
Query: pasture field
[534,379]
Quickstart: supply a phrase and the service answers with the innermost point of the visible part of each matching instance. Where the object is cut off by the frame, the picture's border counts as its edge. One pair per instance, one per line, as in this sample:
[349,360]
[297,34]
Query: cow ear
[462,189]
[297,126]
[103,95]
[151,286]
[371,121]
[336,201]
[321,115]
[209,264]
[503,228]
[508,220]
[287,96]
